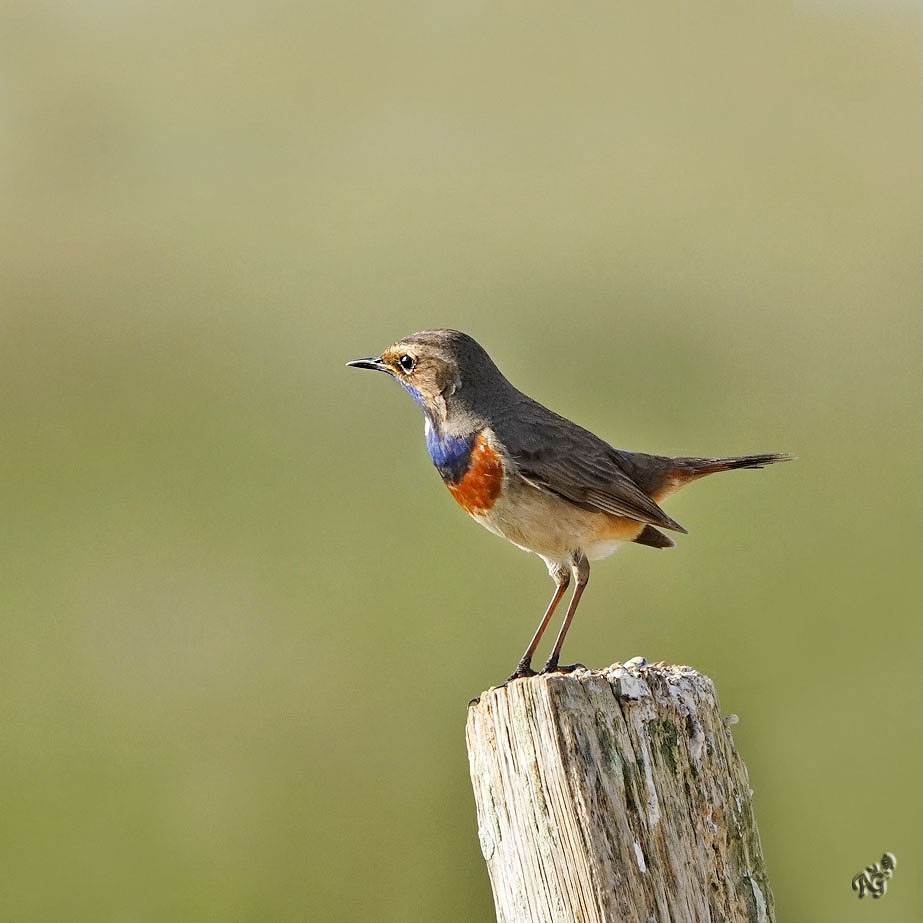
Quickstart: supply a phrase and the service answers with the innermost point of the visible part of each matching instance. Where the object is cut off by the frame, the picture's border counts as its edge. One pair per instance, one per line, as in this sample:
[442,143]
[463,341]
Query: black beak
[373,362]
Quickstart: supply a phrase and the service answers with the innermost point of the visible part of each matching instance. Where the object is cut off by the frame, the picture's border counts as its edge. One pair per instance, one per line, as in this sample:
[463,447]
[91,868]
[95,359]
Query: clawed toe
[569,667]
[552,666]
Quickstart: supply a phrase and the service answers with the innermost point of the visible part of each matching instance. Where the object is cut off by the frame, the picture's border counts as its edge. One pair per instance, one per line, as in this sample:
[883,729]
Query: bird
[534,477]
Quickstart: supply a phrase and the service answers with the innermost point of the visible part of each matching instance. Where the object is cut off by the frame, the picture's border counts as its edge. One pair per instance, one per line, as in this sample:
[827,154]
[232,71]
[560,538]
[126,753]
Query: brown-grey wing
[556,455]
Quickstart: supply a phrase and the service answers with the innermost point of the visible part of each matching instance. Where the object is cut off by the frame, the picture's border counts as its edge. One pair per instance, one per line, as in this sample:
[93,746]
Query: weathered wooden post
[615,796]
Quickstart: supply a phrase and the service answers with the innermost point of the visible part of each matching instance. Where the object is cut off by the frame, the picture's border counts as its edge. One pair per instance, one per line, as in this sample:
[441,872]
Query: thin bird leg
[525,664]
[582,573]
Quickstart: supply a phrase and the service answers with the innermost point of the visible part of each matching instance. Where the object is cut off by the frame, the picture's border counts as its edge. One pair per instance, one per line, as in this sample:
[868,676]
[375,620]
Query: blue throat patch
[412,391]
[450,454]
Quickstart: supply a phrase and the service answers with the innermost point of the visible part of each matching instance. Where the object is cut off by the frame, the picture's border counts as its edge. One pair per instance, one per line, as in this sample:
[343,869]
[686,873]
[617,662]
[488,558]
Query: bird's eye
[407,363]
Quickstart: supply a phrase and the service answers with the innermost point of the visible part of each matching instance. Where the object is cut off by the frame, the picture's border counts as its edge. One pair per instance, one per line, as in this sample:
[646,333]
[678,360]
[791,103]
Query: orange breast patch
[479,488]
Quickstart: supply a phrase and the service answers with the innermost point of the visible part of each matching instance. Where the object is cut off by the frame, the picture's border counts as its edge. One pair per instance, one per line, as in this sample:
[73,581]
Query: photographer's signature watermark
[874,880]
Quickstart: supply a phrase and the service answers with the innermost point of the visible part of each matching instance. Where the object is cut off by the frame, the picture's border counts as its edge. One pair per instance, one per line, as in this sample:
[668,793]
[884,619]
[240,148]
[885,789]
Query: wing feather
[553,454]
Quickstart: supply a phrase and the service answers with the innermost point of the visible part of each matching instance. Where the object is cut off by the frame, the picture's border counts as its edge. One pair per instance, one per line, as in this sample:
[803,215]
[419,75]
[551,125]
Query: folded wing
[556,455]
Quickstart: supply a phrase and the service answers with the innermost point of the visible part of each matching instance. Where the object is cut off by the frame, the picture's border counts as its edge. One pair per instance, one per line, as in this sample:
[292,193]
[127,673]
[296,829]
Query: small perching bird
[532,476]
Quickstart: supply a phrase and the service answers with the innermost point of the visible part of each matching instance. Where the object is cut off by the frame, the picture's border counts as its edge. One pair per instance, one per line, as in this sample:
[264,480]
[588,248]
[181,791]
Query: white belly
[538,521]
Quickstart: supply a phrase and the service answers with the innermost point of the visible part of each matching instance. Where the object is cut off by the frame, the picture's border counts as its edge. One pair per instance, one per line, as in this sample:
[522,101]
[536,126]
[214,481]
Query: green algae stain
[664,735]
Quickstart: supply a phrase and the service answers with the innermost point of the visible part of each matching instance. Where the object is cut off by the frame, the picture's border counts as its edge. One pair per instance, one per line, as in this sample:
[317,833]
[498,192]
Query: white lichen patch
[653,802]
[633,686]
[639,854]
[684,699]
[487,841]
[760,902]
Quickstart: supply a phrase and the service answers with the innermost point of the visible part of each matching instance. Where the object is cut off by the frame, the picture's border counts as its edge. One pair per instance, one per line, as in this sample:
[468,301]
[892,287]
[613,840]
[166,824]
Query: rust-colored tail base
[684,470]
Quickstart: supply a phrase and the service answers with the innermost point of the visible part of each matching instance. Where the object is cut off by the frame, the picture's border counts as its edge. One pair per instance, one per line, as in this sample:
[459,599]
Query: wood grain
[615,795]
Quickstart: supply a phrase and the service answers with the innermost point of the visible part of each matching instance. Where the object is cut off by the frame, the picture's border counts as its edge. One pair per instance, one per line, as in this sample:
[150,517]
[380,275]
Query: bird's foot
[552,666]
[524,668]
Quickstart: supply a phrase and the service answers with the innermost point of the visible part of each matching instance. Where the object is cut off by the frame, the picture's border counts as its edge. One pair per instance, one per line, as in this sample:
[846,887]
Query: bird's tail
[689,469]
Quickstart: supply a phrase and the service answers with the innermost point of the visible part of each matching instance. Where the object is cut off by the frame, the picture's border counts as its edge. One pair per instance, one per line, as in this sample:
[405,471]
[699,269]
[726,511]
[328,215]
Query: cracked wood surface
[615,795]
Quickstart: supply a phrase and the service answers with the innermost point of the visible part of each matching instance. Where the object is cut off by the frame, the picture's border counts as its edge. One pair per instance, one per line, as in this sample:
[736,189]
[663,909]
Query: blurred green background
[241,615]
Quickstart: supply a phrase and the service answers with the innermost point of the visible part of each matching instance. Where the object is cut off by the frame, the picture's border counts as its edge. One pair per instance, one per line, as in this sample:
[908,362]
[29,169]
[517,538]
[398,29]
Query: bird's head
[441,369]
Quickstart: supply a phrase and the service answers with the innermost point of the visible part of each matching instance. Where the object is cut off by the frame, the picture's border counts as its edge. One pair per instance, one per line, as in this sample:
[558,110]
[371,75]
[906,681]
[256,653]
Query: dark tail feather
[654,537]
[698,467]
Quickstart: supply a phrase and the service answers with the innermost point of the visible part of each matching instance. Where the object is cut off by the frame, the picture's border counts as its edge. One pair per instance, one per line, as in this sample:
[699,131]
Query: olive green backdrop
[241,617]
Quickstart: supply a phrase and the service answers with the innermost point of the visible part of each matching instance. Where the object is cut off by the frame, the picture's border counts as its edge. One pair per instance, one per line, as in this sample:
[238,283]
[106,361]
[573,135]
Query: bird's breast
[482,481]
[470,467]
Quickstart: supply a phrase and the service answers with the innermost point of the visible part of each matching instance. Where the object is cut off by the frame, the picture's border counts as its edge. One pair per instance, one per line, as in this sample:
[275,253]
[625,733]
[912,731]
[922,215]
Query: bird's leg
[561,576]
[582,574]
